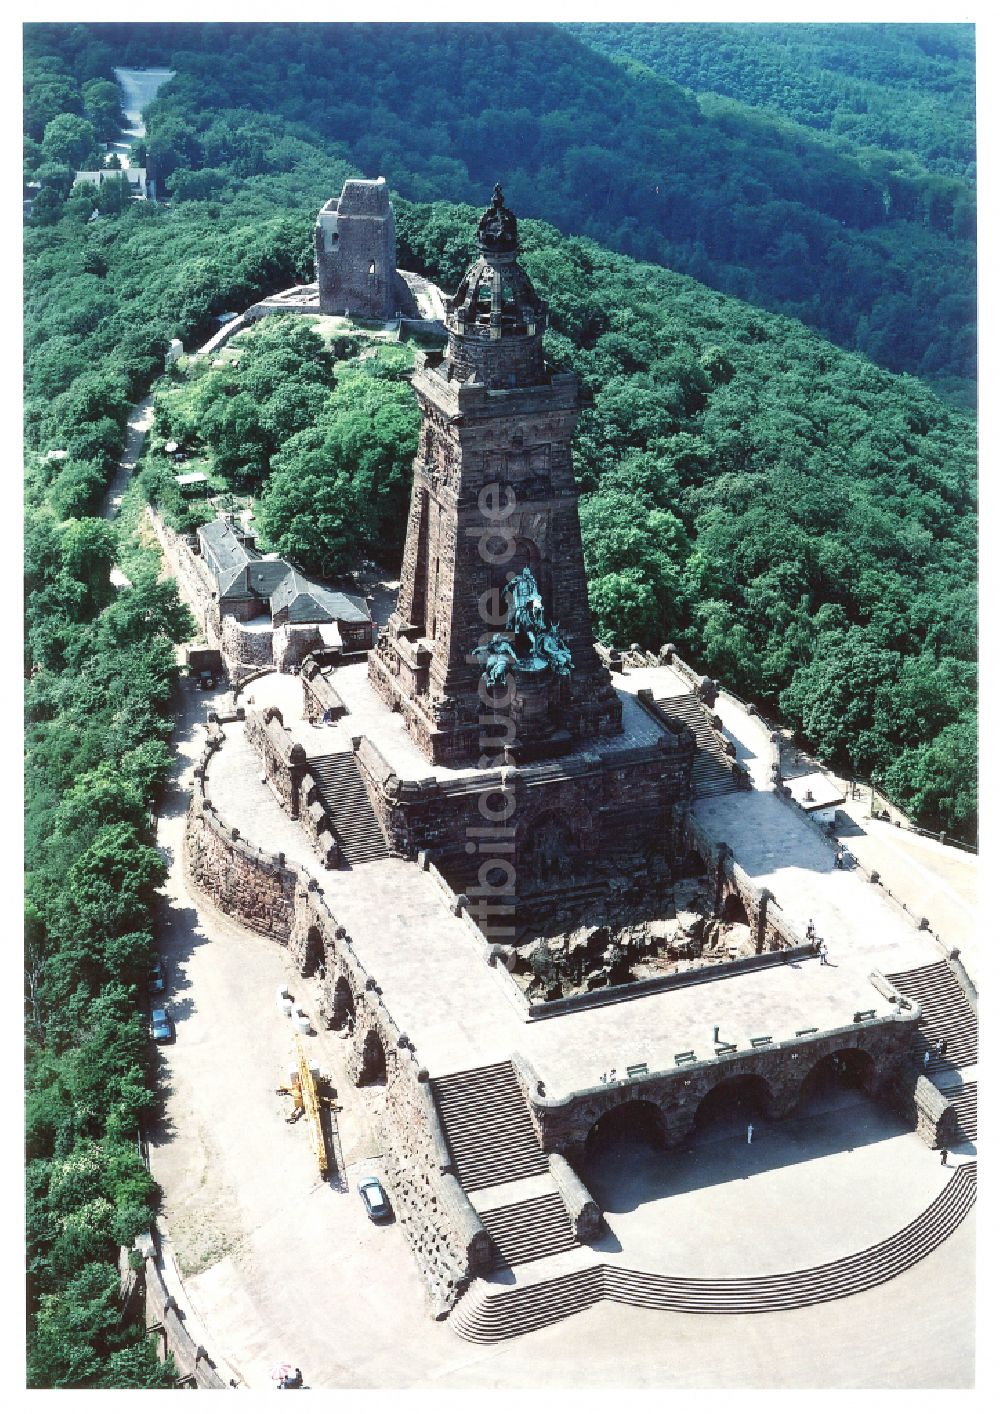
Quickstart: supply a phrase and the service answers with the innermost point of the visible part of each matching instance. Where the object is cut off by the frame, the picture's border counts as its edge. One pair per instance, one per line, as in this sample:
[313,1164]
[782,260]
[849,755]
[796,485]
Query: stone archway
[373,1068]
[635,1121]
[833,1075]
[343,1005]
[734,910]
[314,956]
[624,1157]
[733,1103]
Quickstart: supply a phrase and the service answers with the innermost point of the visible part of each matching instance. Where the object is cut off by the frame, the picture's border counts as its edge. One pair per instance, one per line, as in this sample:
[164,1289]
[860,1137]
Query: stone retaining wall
[613,812]
[247,883]
[585,1216]
[921,1104]
[282,902]
[284,758]
[166,1323]
[318,694]
[191,582]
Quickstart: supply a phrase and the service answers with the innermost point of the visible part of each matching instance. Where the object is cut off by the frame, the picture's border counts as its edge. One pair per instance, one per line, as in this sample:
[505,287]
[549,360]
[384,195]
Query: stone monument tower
[356,252]
[493,597]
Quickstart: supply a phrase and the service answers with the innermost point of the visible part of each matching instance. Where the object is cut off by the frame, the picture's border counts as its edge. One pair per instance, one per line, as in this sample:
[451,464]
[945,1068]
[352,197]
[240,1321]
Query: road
[139,88]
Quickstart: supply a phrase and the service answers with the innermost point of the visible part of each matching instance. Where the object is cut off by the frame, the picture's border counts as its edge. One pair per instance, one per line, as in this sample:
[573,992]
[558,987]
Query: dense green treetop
[904,93]
[867,238]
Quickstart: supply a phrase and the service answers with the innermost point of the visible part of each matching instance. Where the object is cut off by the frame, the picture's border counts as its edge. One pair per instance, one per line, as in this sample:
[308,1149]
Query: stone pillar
[761,920]
[722,854]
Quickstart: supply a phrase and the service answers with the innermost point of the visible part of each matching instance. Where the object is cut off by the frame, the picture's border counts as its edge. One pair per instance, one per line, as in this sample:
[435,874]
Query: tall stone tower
[493,498]
[355,242]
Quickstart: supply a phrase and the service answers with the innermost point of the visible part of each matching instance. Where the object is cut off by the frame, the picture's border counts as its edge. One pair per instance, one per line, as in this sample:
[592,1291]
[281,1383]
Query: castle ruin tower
[493,553]
[355,242]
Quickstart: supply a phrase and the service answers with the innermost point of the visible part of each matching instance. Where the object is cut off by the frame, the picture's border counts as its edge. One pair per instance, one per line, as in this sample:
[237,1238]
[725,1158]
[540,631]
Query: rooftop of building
[230,555]
[364,196]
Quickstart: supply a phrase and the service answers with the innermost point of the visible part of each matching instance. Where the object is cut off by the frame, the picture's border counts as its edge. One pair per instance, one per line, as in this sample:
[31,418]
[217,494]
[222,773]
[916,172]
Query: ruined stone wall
[319,695]
[245,650]
[355,248]
[294,642]
[284,758]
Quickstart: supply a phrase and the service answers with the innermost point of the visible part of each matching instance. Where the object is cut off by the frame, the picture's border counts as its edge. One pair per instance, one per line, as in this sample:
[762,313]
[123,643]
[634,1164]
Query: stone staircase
[525,1231]
[488,1314]
[966,1101]
[947,1013]
[712,771]
[487,1126]
[355,827]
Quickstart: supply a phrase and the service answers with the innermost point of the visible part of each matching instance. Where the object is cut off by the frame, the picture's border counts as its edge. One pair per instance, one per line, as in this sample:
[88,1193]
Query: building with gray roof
[250,586]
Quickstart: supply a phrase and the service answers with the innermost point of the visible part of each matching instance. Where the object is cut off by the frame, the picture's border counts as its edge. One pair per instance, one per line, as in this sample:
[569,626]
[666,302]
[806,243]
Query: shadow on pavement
[627,1172]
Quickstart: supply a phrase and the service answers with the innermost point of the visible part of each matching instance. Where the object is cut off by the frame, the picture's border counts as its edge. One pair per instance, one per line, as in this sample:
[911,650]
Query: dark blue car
[374,1199]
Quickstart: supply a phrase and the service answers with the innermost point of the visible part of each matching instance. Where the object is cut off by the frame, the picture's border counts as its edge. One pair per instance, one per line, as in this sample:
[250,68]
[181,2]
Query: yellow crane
[307,1101]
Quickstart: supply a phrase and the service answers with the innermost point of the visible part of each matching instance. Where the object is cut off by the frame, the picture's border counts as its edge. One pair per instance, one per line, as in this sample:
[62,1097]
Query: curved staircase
[485,1316]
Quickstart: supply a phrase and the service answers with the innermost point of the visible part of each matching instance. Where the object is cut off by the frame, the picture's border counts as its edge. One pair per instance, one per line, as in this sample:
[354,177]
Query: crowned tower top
[495,320]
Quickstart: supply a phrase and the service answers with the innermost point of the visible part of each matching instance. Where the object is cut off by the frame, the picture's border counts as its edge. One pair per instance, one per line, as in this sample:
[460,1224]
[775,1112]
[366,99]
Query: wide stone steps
[966,1101]
[524,1232]
[487,1126]
[355,827]
[712,770]
[947,1014]
[485,1315]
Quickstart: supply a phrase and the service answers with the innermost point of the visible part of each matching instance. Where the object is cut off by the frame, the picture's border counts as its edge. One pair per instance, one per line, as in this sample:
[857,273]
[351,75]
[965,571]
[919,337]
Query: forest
[800,520]
[868,243]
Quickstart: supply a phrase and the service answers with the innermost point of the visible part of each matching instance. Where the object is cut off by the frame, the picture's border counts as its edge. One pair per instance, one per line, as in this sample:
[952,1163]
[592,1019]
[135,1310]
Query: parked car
[374,1199]
[157,978]
[161,1028]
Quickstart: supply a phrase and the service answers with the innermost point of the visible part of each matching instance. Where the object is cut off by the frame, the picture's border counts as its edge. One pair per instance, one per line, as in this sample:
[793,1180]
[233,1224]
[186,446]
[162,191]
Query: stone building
[266,611]
[489,656]
[355,245]
[356,252]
